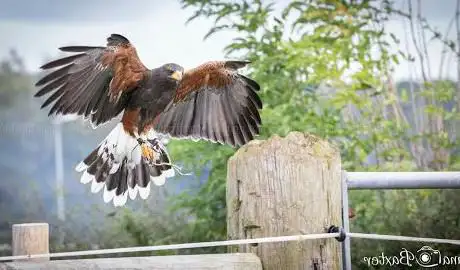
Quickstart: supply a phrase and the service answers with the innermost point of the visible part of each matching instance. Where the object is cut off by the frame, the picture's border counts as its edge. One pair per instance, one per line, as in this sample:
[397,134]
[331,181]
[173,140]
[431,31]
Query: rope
[403,238]
[176,246]
[233,242]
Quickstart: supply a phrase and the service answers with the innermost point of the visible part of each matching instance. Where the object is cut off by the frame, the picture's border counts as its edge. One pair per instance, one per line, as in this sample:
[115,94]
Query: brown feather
[211,74]
[52,85]
[61,61]
[214,102]
[52,76]
[130,119]
[95,82]
[128,70]
[79,48]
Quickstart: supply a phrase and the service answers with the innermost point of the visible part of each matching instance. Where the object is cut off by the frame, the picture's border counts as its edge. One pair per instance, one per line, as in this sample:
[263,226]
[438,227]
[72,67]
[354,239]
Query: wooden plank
[243,261]
[286,186]
[31,238]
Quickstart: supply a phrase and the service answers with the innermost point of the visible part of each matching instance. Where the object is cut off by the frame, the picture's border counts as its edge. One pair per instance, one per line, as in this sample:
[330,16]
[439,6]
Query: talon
[147,152]
[140,141]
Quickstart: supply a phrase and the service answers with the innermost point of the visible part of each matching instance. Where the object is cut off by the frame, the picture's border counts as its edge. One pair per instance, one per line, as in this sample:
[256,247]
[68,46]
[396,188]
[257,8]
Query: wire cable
[234,242]
[176,246]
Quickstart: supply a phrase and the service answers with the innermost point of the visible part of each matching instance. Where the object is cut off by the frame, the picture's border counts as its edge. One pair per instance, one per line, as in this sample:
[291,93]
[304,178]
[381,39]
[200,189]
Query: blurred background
[378,78]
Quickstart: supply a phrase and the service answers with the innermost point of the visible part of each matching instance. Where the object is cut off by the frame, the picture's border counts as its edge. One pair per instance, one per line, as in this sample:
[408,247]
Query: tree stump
[286,186]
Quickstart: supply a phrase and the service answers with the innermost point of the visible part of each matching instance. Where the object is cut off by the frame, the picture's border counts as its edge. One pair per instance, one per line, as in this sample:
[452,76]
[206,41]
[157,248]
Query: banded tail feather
[119,167]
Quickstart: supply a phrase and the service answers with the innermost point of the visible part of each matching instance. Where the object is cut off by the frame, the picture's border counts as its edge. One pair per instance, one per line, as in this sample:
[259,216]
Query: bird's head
[174,71]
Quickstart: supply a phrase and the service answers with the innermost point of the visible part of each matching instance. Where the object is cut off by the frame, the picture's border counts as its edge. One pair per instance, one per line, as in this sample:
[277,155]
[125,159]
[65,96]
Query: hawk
[212,101]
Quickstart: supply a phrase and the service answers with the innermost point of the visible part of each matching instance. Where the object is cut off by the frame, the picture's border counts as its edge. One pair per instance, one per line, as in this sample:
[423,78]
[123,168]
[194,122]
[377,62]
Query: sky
[157,28]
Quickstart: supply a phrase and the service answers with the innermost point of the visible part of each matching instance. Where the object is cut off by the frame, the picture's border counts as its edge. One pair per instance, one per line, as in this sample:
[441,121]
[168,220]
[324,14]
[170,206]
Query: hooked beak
[177,75]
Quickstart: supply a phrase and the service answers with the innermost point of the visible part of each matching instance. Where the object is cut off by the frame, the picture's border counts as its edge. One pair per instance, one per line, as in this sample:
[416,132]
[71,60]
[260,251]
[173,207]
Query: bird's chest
[151,98]
[150,102]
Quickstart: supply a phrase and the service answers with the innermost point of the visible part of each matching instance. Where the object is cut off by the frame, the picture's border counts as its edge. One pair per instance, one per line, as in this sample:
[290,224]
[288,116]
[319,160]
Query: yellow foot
[148,152]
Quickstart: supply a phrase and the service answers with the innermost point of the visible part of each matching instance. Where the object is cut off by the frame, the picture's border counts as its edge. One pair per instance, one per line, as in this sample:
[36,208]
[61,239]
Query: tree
[14,80]
[319,73]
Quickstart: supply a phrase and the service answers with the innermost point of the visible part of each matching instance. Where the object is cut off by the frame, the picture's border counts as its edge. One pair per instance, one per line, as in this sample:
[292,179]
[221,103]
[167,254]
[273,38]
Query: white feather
[101,147]
[151,134]
[86,178]
[114,168]
[163,138]
[144,192]
[112,141]
[137,155]
[120,151]
[96,187]
[121,145]
[111,147]
[133,192]
[81,167]
[131,147]
[121,199]
[104,156]
[131,165]
[108,195]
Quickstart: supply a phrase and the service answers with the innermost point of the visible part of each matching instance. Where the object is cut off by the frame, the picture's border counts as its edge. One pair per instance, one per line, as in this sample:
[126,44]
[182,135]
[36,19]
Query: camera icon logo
[428,257]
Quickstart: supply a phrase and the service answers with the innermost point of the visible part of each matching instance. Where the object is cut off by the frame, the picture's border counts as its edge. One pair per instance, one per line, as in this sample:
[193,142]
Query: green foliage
[320,73]
[207,207]
[14,80]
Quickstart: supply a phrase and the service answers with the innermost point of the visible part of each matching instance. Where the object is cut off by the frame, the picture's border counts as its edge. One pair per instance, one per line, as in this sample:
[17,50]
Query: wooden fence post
[31,238]
[286,186]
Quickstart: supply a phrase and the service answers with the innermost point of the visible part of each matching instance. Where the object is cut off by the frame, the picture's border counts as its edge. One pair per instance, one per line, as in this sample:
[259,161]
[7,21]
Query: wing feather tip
[81,167]
[133,192]
[96,187]
[86,178]
[144,192]
[78,48]
[120,200]
[108,194]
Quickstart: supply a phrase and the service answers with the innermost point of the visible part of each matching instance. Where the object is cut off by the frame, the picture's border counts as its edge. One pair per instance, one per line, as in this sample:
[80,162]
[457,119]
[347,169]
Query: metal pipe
[403,180]
[346,250]
[59,159]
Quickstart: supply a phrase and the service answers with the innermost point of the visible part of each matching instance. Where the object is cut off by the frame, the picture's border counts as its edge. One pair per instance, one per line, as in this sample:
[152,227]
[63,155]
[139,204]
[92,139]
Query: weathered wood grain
[31,238]
[286,186]
[183,262]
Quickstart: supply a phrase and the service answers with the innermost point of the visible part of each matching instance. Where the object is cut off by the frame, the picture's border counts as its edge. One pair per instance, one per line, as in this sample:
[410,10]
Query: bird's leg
[140,140]
[148,152]
[146,147]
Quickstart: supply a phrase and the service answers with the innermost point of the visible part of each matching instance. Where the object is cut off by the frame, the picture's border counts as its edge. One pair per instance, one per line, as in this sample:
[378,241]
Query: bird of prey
[212,101]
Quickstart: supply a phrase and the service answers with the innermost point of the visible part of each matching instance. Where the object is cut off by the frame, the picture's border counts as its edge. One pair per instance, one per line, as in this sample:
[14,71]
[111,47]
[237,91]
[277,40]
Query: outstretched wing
[213,102]
[95,82]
